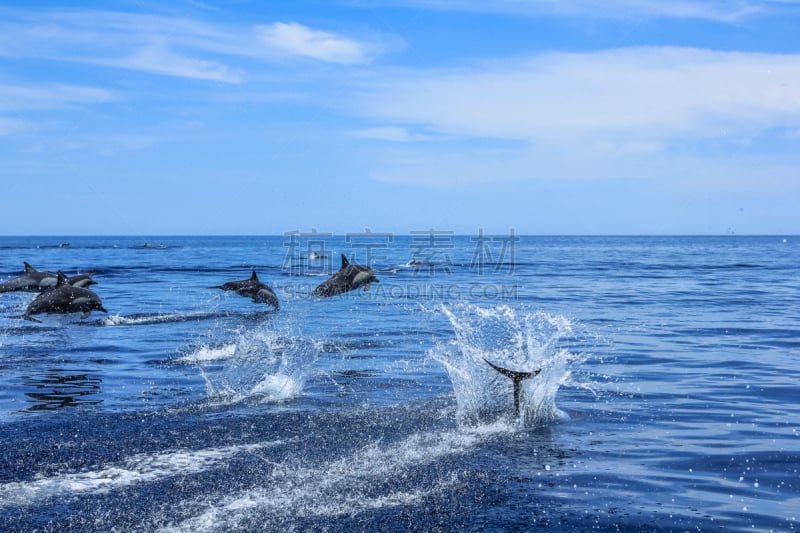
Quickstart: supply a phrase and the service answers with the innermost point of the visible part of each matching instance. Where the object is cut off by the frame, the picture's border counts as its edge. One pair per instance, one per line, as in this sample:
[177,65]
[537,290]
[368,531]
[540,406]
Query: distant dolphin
[64,299]
[517,378]
[348,278]
[252,288]
[33,280]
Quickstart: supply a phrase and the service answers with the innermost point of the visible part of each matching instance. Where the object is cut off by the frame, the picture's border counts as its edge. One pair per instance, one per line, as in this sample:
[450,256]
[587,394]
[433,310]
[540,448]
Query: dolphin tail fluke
[517,378]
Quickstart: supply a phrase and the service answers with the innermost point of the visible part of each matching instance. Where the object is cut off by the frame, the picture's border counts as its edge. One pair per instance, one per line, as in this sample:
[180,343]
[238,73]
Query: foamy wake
[140,468]
[117,320]
[345,487]
[160,318]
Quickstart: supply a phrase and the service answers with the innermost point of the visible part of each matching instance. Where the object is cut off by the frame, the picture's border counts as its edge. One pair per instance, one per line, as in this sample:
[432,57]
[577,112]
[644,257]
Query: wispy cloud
[33,97]
[148,43]
[713,10]
[298,40]
[158,57]
[699,169]
[12,126]
[171,46]
[389,133]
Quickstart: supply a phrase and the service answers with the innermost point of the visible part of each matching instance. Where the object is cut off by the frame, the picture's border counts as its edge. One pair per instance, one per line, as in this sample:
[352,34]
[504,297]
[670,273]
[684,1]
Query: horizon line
[394,233]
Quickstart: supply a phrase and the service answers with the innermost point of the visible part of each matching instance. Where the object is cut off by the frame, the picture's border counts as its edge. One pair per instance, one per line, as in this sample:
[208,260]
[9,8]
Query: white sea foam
[344,487]
[140,468]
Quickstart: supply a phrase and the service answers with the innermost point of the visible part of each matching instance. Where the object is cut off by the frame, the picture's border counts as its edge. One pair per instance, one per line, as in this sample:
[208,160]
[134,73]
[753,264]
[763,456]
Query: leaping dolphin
[33,280]
[64,299]
[517,378]
[252,288]
[82,280]
[348,278]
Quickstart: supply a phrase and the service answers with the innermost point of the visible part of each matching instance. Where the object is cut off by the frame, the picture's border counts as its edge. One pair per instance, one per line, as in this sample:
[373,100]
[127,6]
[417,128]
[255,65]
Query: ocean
[667,396]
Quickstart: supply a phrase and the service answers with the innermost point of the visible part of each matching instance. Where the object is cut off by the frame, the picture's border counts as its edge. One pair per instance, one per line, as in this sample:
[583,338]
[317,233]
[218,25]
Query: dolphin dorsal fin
[254,277]
[62,279]
[345,262]
[28,267]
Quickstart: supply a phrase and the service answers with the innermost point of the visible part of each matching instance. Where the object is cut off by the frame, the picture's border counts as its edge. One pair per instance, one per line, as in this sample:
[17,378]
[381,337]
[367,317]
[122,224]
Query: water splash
[519,340]
[208,353]
[265,364]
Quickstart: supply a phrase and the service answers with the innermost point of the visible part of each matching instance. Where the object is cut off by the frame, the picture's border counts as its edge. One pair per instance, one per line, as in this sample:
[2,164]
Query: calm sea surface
[668,397]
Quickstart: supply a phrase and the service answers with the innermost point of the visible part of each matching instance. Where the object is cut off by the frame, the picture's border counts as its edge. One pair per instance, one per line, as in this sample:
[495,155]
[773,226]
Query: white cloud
[170,46]
[298,40]
[649,94]
[389,133]
[649,113]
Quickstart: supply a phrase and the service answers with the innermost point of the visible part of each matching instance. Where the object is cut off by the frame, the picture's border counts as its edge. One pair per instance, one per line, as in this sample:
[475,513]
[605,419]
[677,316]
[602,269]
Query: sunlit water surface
[668,397]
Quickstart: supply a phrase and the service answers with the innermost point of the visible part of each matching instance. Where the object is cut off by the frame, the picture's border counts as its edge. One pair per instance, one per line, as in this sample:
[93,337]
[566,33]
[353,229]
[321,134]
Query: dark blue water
[668,398]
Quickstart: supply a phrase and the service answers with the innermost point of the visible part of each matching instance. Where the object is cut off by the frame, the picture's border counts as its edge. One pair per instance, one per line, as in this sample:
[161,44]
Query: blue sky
[237,117]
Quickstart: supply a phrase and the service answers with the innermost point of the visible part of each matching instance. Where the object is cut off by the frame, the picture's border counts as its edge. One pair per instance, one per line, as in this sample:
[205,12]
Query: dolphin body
[252,288]
[348,278]
[64,299]
[81,280]
[517,378]
[33,280]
